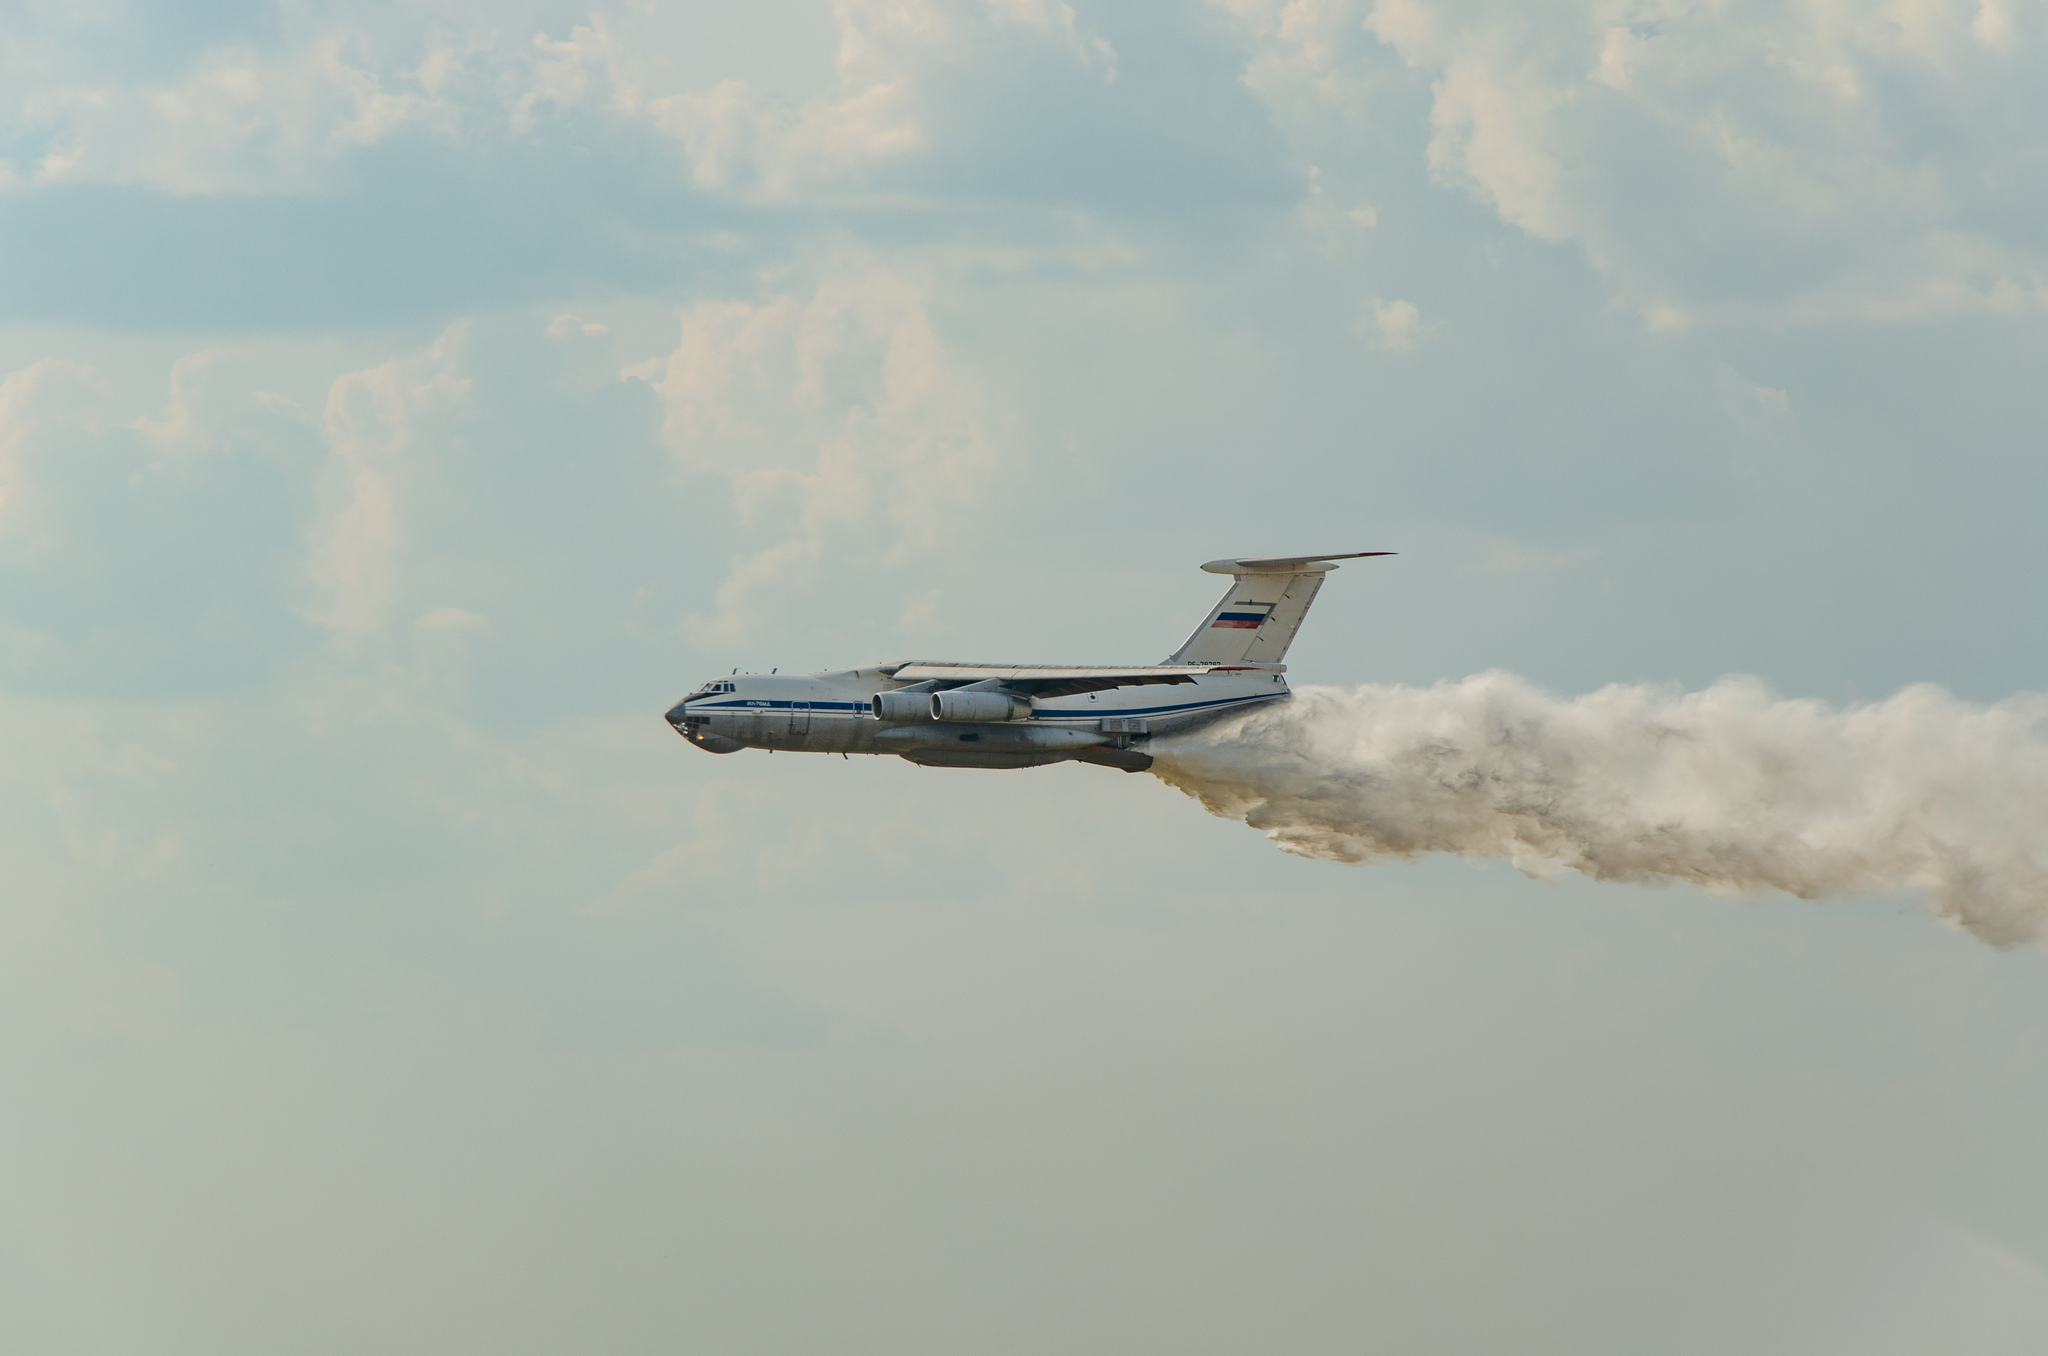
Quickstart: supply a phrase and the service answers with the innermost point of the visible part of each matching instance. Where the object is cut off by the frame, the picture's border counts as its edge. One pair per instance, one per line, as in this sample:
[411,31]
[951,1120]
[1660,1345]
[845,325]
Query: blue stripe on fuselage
[757,704]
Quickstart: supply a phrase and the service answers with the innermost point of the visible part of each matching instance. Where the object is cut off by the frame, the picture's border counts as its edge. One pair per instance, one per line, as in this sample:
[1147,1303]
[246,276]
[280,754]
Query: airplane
[947,714]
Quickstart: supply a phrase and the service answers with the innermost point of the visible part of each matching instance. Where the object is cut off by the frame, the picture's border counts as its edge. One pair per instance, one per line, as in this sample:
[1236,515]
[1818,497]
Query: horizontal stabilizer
[1285,564]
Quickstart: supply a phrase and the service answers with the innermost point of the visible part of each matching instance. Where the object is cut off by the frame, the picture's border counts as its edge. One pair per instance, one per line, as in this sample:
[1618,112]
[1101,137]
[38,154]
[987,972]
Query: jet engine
[902,706]
[979,706]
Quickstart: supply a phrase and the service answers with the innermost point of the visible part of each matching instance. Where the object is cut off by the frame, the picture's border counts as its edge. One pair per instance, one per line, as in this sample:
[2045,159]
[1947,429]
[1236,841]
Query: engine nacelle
[902,706]
[979,706]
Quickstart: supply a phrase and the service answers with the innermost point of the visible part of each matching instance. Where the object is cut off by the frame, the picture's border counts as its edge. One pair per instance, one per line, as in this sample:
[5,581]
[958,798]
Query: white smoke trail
[1727,788]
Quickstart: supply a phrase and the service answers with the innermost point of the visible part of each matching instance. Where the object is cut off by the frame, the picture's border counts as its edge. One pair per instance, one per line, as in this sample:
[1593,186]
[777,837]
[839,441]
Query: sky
[402,405]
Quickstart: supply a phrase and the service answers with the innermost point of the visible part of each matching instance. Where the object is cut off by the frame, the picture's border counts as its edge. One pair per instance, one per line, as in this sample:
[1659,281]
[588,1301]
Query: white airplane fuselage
[836,712]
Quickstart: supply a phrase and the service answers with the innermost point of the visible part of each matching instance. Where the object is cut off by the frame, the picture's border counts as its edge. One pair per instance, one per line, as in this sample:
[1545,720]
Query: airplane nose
[676,712]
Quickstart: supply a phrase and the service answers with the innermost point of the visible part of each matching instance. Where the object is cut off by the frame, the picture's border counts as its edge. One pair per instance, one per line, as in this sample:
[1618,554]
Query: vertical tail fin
[1264,607]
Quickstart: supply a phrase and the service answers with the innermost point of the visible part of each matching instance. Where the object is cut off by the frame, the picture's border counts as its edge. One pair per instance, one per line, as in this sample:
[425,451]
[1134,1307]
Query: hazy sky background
[405,403]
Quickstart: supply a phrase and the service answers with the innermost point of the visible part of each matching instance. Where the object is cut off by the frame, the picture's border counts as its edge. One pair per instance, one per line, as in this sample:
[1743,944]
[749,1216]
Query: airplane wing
[1045,680]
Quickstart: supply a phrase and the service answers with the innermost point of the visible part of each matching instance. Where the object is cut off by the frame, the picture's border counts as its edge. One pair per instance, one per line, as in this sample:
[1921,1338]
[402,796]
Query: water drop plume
[1728,788]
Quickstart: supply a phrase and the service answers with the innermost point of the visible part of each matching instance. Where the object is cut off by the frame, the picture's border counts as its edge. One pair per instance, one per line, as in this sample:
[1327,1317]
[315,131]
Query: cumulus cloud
[496,490]
[1396,326]
[839,423]
[925,103]
[282,111]
[28,399]
[503,489]
[184,421]
[1853,158]
[500,489]
[1335,221]
[374,419]
[240,121]
[1306,56]
[1054,20]
[744,141]
[151,555]
[575,327]
[1749,401]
